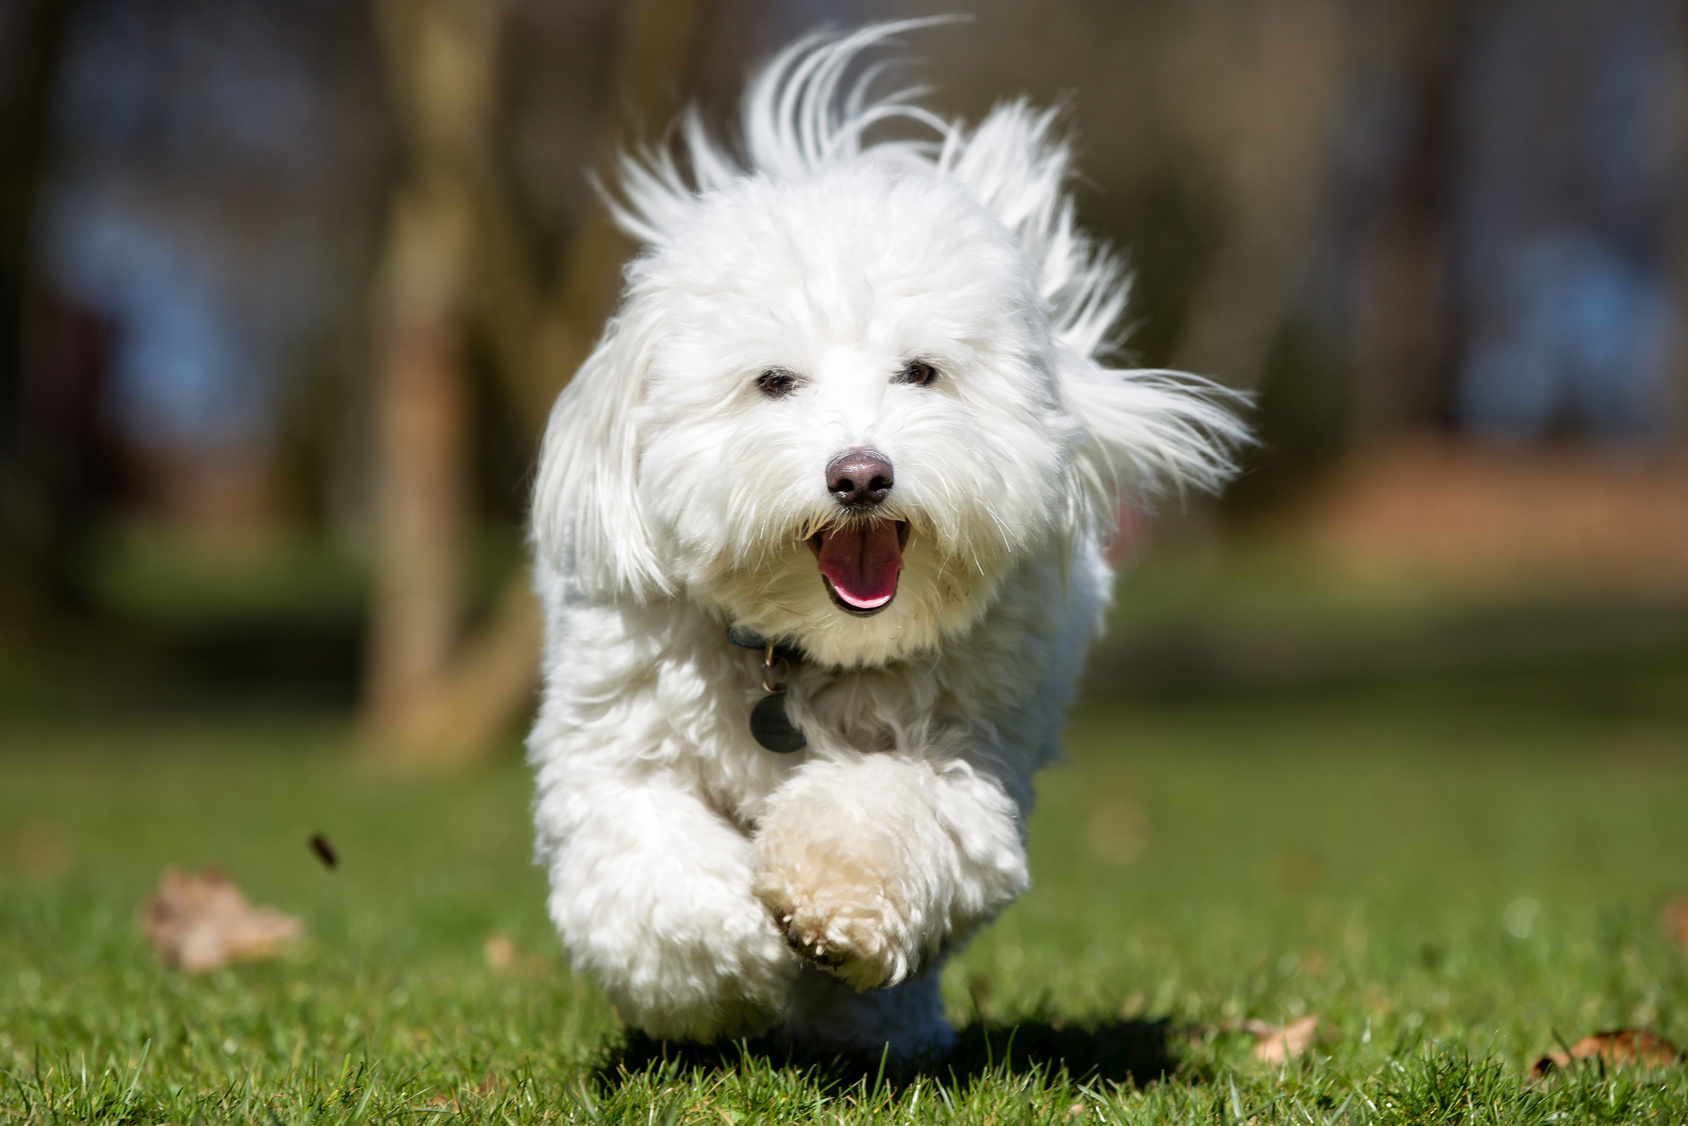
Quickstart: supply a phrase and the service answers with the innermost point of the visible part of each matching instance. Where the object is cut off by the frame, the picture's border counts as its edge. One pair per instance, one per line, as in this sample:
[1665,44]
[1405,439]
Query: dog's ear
[1138,433]
[588,518]
[1141,434]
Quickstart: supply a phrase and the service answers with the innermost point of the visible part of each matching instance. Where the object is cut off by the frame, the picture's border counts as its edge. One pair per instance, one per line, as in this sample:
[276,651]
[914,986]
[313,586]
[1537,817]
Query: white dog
[819,530]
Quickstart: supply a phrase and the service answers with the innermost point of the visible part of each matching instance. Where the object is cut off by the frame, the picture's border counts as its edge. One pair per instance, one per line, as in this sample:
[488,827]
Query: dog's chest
[840,713]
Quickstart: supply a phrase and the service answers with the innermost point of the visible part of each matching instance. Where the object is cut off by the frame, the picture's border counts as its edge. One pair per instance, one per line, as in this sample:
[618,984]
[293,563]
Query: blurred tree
[214,165]
[39,508]
[1261,84]
[1569,166]
[1363,350]
[1679,295]
[1209,133]
[440,57]
[1402,335]
[457,258]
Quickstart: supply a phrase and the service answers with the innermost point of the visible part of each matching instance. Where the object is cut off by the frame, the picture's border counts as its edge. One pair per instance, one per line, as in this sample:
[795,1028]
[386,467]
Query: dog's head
[851,385]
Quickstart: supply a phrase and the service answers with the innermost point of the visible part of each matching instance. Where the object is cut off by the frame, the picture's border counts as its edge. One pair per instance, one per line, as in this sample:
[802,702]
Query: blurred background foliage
[287,286]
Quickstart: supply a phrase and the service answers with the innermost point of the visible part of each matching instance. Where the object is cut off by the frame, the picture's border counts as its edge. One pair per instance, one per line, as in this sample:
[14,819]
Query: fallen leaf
[1675,920]
[1618,1047]
[200,921]
[1275,1043]
[500,952]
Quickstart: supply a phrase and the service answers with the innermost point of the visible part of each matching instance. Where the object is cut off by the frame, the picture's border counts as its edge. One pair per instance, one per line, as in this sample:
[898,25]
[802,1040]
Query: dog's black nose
[859,478]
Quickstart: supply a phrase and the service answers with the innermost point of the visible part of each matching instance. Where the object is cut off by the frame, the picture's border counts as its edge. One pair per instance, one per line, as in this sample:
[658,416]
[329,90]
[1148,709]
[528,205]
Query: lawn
[1453,874]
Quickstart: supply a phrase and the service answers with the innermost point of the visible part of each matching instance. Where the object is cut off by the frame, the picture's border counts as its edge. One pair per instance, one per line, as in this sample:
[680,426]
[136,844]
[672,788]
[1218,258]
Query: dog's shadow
[1130,1052]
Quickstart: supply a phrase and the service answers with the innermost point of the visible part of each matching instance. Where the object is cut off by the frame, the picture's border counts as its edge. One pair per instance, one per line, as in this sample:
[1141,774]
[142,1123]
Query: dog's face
[846,425]
[850,385]
[828,408]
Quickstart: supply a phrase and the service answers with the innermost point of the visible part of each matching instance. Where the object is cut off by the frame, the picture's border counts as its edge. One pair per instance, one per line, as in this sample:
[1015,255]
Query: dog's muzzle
[860,558]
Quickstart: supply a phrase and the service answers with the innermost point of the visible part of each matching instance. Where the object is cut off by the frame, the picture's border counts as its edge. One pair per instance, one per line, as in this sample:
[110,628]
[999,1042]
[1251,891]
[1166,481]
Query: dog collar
[770,726]
[746,638]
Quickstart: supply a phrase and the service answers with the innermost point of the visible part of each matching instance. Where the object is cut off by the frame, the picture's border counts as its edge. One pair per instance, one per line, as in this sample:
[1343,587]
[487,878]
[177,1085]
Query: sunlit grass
[1452,878]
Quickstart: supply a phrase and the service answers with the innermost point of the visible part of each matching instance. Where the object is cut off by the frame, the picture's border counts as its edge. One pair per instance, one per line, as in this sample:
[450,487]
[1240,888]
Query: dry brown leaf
[500,952]
[1675,920]
[1276,1043]
[1618,1047]
[200,921]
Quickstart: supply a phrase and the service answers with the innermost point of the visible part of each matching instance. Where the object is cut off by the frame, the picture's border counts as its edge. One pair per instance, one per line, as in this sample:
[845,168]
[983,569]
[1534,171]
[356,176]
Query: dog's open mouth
[860,562]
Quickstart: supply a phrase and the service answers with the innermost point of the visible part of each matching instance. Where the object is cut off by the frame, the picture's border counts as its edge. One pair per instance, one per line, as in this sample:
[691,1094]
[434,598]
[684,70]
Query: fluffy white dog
[819,530]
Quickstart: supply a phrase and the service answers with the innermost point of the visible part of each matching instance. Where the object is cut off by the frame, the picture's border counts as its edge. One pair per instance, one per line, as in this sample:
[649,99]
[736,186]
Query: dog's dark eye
[776,383]
[918,372]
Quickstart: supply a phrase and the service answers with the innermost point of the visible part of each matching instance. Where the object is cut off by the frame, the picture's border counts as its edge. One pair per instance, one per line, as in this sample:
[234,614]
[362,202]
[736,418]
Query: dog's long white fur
[713,887]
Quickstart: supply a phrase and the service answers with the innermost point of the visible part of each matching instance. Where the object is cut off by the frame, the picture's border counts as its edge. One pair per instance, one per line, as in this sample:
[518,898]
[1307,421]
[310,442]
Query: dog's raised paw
[850,932]
[808,943]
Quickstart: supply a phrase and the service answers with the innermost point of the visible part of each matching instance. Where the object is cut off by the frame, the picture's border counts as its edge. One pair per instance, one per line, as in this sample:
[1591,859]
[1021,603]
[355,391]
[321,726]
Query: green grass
[1452,877]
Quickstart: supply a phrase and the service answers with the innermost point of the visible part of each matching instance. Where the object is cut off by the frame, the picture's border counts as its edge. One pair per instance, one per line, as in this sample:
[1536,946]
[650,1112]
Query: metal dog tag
[771,727]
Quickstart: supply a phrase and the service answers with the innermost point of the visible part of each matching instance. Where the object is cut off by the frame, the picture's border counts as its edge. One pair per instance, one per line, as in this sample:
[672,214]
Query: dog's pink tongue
[862,560]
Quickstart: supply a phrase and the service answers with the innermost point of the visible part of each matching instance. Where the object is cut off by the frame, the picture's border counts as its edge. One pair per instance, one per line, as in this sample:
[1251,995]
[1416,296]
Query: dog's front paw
[836,911]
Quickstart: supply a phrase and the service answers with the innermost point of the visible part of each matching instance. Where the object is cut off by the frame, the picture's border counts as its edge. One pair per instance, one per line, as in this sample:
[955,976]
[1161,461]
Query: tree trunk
[1402,343]
[38,514]
[430,701]
[1261,113]
[439,56]
[420,427]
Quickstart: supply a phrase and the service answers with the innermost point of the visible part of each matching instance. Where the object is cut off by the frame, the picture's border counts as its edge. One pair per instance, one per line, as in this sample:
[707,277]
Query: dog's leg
[872,864]
[907,1019]
[650,888]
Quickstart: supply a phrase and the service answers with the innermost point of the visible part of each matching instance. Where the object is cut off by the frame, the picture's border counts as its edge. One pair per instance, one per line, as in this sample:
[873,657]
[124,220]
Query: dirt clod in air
[200,921]
[324,851]
[1618,1047]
